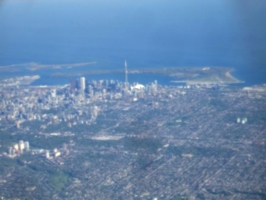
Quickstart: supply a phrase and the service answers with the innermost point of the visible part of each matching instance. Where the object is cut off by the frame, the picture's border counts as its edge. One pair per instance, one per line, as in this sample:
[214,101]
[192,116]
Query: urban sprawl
[107,139]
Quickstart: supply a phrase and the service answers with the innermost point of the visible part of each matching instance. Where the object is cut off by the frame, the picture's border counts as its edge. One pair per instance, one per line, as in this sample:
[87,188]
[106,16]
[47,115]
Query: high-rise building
[156,84]
[47,154]
[16,147]
[104,92]
[153,86]
[91,92]
[21,146]
[77,84]
[53,93]
[18,125]
[244,120]
[95,111]
[82,83]
[72,84]
[27,145]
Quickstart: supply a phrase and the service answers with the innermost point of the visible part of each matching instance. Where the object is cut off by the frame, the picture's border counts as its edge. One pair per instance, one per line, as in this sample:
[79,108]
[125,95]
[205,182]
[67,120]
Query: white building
[21,146]
[47,154]
[82,84]
[27,145]
[53,93]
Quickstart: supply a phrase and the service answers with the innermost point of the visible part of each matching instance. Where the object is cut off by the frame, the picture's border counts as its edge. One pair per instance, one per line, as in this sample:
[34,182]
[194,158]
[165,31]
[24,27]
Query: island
[33,66]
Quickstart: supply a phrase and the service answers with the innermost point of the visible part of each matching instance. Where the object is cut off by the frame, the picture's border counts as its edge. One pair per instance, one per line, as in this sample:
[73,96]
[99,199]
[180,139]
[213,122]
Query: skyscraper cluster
[79,84]
[19,148]
[82,85]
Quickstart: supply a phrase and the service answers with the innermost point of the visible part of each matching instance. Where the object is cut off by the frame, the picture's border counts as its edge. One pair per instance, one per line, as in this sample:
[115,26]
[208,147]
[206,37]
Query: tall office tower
[53,93]
[126,72]
[95,111]
[82,83]
[104,92]
[21,146]
[27,145]
[100,83]
[77,84]
[91,92]
[72,84]
[155,85]
[16,147]
[47,154]
[18,125]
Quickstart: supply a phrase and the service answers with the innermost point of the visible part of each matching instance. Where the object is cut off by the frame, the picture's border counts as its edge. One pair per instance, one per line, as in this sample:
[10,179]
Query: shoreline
[191,76]
[227,79]
[229,75]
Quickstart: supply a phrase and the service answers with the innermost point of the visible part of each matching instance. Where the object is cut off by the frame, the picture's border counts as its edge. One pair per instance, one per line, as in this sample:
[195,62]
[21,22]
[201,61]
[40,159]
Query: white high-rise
[82,84]
[21,145]
[47,154]
[53,93]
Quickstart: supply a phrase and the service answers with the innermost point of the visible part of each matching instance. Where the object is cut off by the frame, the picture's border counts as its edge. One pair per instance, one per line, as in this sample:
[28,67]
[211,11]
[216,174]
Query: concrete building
[27,145]
[21,146]
[16,147]
[244,120]
[53,93]
[47,154]
[18,125]
[72,84]
[82,84]
[95,111]
[57,154]
[91,92]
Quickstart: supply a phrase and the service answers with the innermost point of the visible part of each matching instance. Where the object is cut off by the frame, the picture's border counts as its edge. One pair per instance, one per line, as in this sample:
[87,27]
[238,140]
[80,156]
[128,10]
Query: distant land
[188,75]
[33,66]
[194,75]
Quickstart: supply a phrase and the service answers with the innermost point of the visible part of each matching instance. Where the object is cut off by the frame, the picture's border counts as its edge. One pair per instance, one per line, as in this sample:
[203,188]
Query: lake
[148,34]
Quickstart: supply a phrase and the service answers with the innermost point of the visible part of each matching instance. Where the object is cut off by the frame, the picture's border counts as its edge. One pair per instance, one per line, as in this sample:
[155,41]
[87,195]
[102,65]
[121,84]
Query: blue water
[150,33]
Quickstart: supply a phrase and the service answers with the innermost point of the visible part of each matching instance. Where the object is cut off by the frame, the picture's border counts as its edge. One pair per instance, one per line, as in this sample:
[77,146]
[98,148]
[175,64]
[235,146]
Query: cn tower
[126,80]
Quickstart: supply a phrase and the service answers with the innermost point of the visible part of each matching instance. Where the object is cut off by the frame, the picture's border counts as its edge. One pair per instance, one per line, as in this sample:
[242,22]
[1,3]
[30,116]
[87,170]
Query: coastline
[191,76]
[230,76]
[227,78]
